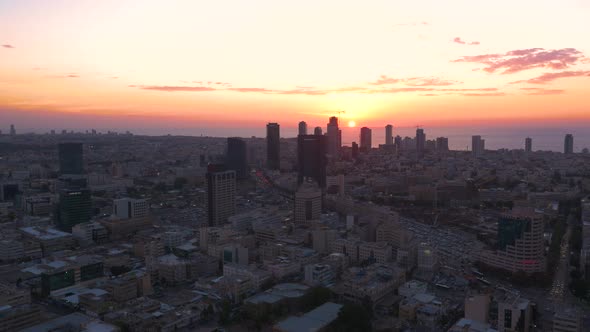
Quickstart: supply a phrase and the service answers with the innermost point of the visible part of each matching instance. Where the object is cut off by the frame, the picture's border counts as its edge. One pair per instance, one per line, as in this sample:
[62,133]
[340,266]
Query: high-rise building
[75,207]
[477,146]
[442,144]
[221,194]
[528,145]
[388,134]
[127,208]
[568,145]
[520,243]
[568,319]
[420,140]
[355,150]
[366,139]
[236,158]
[12,130]
[273,146]
[71,159]
[302,128]
[398,142]
[334,137]
[311,158]
[317,131]
[308,203]
[514,313]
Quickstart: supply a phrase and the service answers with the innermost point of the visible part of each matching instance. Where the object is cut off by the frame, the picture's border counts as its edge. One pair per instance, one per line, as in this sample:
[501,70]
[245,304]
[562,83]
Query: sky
[84,64]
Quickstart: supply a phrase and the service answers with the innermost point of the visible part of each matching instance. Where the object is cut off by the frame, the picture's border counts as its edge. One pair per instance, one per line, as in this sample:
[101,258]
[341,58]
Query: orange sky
[83,63]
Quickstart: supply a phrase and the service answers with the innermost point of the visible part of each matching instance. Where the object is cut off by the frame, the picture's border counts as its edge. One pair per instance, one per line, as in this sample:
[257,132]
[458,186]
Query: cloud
[549,77]
[525,59]
[458,40]
[492,94]
[414,81]
[72,75]
[542,91]
[263,90]
[173,88]
[7,46]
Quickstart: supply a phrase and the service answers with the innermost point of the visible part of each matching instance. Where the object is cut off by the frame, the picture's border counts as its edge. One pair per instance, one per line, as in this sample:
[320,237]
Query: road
[559,290]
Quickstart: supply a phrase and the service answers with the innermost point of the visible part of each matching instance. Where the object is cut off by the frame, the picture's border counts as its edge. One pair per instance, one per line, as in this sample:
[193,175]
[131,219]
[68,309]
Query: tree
[353,318]
[315,297]
[180,182]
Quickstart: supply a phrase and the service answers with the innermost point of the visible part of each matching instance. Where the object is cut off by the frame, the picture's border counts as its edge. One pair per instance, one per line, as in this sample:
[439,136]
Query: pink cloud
[525,59]
[7,46]
[174,88]
[549,77]
[458,40]
[542,92]
[414,81]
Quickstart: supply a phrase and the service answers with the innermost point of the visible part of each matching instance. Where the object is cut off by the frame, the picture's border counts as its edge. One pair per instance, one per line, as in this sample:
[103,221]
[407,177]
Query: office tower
[221,194]
[334,137]
[273,146]
[355,150]
[520,243]
[308,203]
[365,139]
[528,145]
[398,142]
[75,207]
[311,158]
[477,146]
[302,128]
[12,130]
[420,140]
[442,144]
[70,158]
[568,146]
[236,158]
[388,134]
[317,131]
[127,208]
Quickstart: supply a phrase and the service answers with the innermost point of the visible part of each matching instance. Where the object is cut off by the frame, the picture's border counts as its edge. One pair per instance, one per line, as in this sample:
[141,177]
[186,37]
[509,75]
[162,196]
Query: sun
[351,124]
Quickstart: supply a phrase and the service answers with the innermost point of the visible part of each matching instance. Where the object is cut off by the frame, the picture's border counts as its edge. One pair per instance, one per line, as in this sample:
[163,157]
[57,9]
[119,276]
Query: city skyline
[369,65]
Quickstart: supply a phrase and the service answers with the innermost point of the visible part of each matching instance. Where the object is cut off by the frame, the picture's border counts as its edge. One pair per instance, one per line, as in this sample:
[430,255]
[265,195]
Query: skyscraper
[442,144]
[389,134]
[528,145]
[317,131]
[477,145]
[366,139]
[568,145]
[311,158]
[221,194]
[71,158]
[12,130]
[75,207]
[520,244]
[355,150]
[334,137]
[236,159]
[420,140]
[273,146]
[302,128]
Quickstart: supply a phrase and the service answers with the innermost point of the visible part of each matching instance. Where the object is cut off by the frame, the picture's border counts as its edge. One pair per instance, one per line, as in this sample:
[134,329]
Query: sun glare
[351,123]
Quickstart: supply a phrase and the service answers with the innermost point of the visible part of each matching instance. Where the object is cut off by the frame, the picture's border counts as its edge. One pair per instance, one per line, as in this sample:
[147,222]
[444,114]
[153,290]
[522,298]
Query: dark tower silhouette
[366,139]
[317,131]
[355,150]
[302,128]
[568,145]
[71,158]
[311,158]
[236,157]
[273,146]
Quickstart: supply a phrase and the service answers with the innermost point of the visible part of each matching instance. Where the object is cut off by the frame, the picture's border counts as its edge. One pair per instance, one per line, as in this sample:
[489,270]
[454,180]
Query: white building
[127,208]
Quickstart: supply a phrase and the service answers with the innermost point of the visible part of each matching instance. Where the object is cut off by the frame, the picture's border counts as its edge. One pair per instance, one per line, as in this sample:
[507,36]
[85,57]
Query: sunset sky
[141,64]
